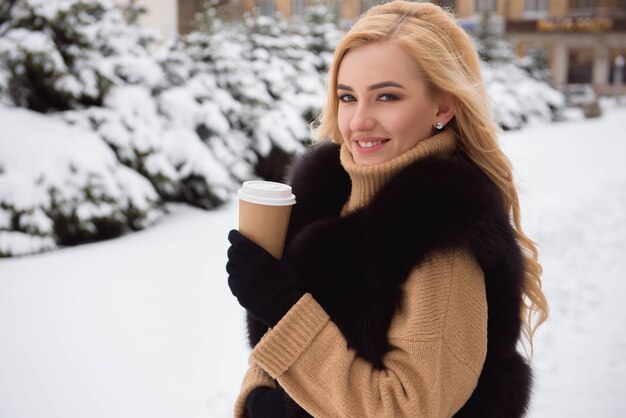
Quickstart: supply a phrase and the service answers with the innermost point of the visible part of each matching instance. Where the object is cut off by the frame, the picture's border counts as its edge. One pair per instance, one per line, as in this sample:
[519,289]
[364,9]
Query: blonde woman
[407,281]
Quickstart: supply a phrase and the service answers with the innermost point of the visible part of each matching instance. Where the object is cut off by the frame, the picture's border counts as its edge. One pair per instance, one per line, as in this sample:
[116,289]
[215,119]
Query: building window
[486,6]
[580,66]
[266,7]
[368,4]
[297,7]
[536,6]
[582,6]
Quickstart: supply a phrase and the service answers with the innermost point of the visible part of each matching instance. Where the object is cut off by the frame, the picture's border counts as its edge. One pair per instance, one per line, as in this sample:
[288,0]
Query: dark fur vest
[355,265]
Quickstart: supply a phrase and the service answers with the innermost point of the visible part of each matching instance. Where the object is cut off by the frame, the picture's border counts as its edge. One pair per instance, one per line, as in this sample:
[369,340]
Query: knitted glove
[263,285]
[264,402]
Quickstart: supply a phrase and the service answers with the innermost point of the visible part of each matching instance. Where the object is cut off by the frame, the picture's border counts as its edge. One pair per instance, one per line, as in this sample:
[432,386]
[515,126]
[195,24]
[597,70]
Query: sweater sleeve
[438,340]
[255,377]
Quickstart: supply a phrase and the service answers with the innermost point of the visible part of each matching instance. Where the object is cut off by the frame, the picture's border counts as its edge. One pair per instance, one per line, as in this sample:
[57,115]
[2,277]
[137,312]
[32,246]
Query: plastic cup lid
[266,193]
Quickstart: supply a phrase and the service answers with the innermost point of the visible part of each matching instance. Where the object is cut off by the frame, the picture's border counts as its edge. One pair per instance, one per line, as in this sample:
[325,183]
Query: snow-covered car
[583,96]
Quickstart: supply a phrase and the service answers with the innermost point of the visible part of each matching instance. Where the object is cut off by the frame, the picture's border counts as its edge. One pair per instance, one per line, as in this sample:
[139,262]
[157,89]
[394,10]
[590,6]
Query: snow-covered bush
[170,155]
[80,62]
[321,33]
[61,55]
[517,98]
[280,60]
[518,88]
[536,63]
[261,82]
[186,122]
[60,185]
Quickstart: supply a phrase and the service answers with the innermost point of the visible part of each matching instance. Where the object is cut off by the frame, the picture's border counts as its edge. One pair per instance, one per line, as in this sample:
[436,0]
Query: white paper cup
[264,211]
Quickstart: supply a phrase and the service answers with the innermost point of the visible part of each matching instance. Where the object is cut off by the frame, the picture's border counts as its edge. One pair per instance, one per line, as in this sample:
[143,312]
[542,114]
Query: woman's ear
[446,109]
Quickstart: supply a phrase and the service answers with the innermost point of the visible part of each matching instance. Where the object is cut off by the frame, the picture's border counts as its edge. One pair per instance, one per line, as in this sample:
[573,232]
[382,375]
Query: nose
[362,119]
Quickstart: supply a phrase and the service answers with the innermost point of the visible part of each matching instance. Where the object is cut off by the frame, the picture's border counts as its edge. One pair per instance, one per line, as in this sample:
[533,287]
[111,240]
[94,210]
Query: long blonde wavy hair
[449,63]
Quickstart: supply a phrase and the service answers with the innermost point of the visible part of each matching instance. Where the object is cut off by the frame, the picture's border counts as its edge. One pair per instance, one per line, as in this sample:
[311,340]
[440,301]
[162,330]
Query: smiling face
[384,108]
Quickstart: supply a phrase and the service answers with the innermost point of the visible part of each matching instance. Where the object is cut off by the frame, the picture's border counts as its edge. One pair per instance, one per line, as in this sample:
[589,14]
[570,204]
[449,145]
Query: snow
[145,325]
[22,243]
[5,219]
[124,328]
[574,194]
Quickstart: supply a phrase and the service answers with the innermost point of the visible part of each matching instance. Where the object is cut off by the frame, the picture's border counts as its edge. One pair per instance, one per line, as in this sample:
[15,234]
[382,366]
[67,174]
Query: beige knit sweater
[438,338]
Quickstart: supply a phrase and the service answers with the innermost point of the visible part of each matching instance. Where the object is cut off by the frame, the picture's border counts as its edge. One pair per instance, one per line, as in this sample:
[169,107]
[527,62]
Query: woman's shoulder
[446,267]
[459,258]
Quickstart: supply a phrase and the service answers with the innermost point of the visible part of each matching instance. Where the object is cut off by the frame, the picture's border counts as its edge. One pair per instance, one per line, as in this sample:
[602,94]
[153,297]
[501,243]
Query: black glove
[264,402]
[265,286]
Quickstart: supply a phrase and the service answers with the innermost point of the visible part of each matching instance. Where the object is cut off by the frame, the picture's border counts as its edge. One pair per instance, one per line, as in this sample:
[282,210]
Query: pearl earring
[439,125]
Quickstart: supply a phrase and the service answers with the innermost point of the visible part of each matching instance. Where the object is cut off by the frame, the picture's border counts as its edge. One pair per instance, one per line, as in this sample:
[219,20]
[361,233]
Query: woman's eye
[387,97]
[346,98]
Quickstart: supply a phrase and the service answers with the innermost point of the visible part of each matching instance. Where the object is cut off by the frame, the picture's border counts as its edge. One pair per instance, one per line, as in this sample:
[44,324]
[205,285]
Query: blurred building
[161,15]
[581,38]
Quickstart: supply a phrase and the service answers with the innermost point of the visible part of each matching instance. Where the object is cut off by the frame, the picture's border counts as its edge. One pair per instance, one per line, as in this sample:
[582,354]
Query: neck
[367,180]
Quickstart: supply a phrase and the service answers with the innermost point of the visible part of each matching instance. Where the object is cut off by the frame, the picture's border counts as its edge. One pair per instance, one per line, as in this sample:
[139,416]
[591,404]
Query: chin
[371,161]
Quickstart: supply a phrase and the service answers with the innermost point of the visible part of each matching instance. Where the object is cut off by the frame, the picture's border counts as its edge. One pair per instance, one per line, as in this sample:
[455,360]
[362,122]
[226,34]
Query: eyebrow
[373,86]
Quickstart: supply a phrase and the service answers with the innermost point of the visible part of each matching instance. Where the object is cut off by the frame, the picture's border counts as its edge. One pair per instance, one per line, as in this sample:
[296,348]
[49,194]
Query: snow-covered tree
[518,88]
[170,155]
[65,54]
[490,42]
[186,122]
[132,11]
[61,185]
[536,63]
[81,62]
[321,32]
[517,98]
[211,91]
[208,20]
[280,60]
[261,82]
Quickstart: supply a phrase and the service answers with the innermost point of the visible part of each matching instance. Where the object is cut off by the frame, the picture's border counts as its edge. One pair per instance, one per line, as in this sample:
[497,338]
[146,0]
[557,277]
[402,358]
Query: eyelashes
[346,98]
[385,97]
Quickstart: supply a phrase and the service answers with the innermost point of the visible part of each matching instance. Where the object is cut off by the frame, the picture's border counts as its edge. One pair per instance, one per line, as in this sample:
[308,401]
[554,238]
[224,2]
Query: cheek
[343,120]
[413,122]
[401,123]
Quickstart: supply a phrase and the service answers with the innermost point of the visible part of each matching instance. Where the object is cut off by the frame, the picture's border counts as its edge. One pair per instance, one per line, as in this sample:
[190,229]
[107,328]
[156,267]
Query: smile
[370,144]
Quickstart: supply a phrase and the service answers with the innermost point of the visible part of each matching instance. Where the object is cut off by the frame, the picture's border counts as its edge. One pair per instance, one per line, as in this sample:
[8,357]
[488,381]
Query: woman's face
[384,106]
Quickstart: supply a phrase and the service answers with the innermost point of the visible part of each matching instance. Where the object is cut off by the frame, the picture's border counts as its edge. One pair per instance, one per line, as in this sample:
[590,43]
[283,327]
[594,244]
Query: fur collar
[355,265]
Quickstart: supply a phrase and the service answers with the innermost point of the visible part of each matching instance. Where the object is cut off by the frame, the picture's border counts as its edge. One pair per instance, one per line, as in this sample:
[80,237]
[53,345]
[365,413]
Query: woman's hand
[265,286]
[264,402]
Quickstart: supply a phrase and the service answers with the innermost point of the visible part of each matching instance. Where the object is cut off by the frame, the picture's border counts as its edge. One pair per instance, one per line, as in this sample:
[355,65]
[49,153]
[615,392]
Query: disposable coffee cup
[264,211]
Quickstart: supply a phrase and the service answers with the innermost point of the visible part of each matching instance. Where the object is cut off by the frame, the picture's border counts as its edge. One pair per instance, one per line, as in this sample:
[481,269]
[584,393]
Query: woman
[407,279]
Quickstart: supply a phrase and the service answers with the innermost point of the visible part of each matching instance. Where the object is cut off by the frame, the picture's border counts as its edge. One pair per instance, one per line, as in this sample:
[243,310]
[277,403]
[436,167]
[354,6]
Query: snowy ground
[145,326]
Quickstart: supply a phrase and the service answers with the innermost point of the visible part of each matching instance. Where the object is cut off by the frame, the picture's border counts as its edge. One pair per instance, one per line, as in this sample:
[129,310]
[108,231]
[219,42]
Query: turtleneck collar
[367,180]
